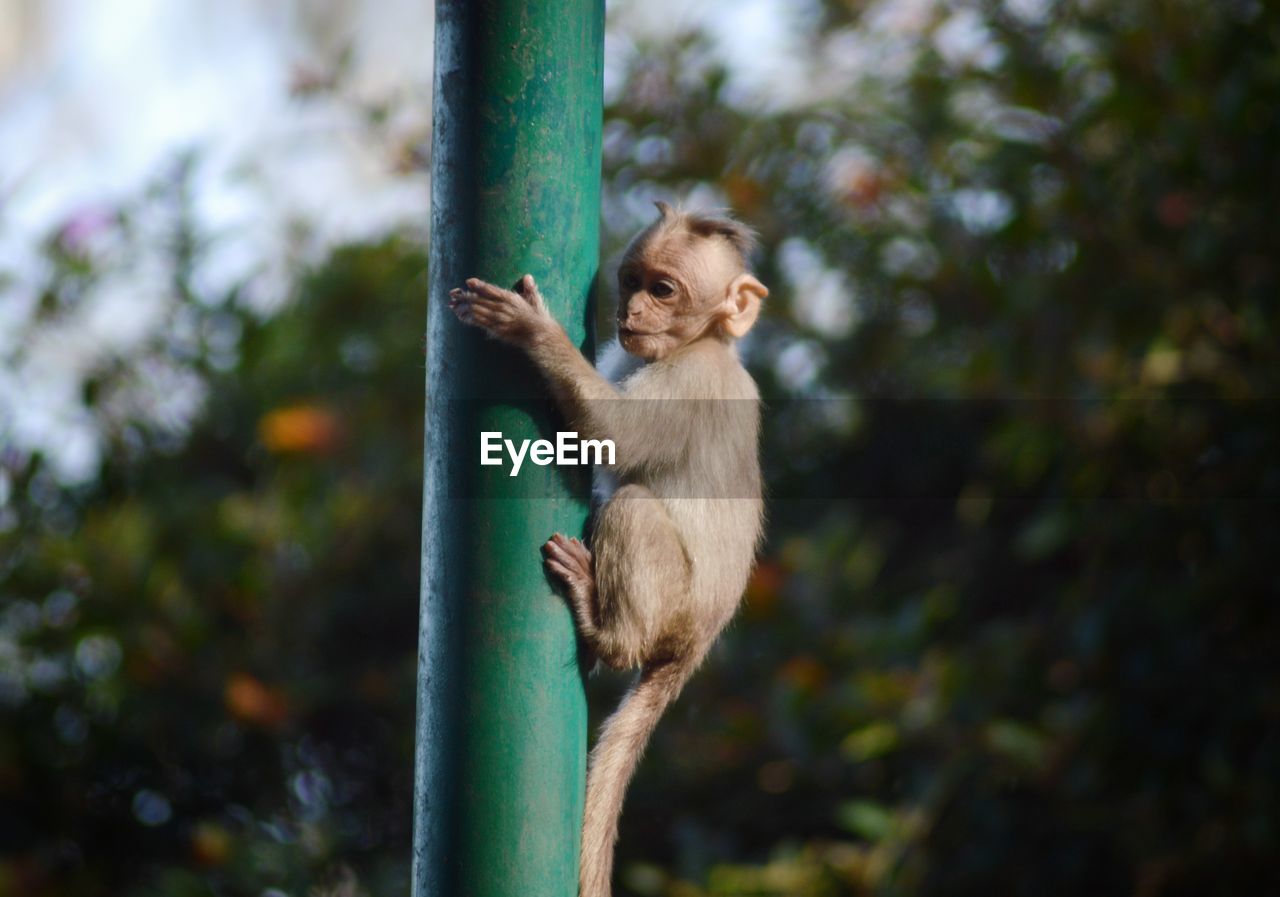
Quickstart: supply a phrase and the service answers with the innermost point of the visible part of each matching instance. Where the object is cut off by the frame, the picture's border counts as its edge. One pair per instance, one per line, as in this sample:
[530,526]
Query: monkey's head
[683,278]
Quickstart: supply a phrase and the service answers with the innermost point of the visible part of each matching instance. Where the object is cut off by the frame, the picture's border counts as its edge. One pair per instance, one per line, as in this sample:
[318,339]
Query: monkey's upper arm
[661,410]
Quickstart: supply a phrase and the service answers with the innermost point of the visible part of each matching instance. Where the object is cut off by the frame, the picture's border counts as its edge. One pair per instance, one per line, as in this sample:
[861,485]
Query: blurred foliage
[1014,630]
[208,654]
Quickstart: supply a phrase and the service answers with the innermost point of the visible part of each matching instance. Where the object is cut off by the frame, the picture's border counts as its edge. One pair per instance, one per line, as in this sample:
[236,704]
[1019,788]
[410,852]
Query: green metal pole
[501,735]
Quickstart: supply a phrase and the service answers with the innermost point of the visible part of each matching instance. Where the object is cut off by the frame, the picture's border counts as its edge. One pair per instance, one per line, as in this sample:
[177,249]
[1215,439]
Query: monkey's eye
[662,289]
[630,282]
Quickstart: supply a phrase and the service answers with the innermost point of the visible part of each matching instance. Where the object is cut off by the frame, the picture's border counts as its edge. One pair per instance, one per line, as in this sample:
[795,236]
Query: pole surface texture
[501,734]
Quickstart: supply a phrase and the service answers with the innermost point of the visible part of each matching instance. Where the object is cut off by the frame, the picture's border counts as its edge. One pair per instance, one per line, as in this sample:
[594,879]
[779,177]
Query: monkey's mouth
[624,332]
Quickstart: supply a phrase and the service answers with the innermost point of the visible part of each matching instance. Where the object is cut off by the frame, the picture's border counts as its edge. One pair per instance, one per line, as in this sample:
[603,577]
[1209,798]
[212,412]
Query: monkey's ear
[664,209]
[742,304]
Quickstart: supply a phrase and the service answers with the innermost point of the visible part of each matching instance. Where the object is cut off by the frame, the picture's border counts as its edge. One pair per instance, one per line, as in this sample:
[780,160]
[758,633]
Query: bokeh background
[1015,630]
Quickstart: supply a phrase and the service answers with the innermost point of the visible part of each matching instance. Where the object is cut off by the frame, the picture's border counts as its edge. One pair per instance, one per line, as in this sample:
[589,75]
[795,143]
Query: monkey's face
[656,311]
[672,292]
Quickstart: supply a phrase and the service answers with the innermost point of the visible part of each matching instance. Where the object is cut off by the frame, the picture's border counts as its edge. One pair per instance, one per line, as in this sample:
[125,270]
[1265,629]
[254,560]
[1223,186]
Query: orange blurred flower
[210,844]
[250,701]
[863,188]
[858,180]
[299,428]
[1175,209]
[804,673]
[745,193]
[762,589]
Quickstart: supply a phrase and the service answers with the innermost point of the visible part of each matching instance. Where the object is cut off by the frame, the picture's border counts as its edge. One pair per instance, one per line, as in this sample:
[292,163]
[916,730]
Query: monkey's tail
[613,761]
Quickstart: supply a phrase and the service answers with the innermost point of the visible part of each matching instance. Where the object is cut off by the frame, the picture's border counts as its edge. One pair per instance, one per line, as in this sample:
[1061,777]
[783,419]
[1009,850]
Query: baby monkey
[672,546]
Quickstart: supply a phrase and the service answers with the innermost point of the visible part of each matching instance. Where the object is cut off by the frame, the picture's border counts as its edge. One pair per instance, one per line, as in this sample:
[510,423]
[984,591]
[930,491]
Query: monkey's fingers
[555,554]
[463,312]
[524,293]
[459,305]
[478,309]
[460,295]
[569,554]
[554,547]
[562,572]
[528,288]
[577,550]
[491,292]
[558,543]
[477,316]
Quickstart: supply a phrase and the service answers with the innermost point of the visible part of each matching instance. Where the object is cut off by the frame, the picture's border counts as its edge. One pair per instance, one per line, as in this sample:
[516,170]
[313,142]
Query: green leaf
[867,818]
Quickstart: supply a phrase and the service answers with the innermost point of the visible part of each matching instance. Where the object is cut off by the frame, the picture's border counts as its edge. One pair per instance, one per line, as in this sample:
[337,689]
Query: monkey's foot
[570,561]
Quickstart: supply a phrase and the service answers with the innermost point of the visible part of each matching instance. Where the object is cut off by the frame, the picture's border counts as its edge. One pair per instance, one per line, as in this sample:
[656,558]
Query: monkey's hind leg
[630,596]
[627,595]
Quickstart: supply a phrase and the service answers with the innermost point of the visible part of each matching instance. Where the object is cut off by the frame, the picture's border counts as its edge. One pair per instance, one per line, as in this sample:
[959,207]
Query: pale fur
[615,365]
[675,538]
[671,558]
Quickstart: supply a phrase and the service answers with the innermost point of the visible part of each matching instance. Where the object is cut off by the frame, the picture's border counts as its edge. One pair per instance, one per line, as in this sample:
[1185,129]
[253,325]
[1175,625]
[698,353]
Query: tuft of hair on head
[711,223]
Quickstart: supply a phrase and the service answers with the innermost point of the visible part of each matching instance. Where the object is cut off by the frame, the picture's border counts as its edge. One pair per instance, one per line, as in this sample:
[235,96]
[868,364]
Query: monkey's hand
[517,316]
